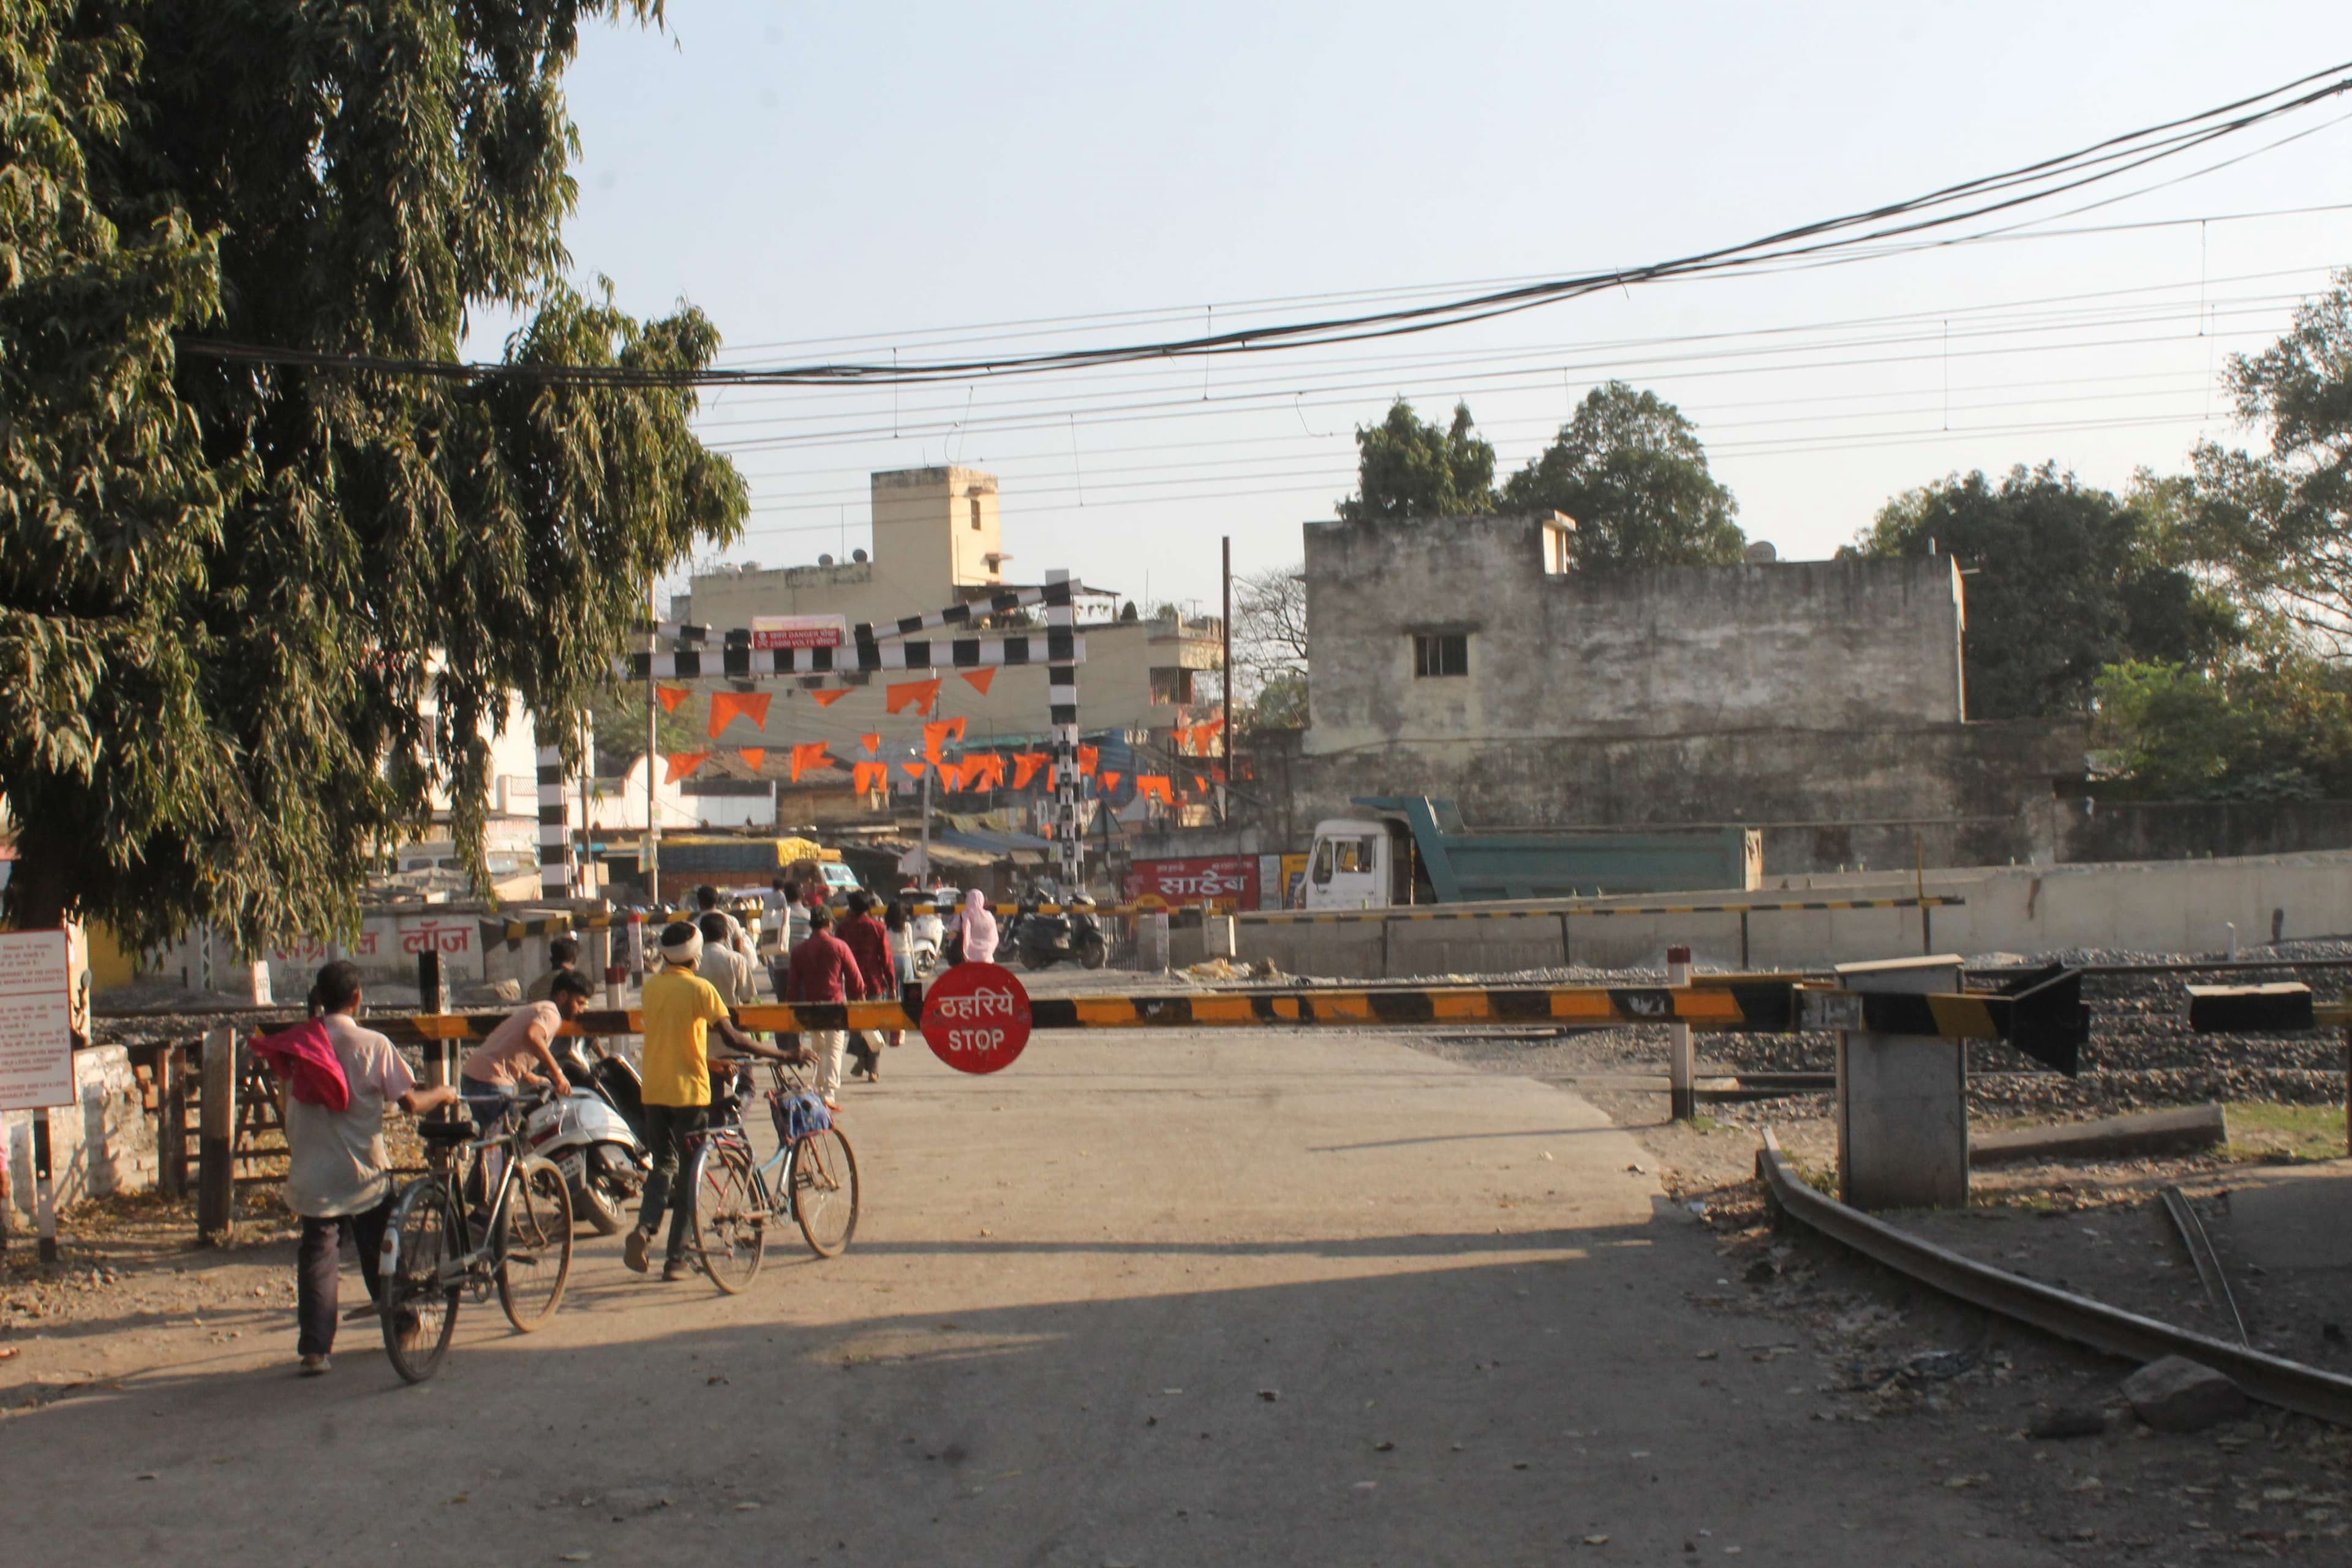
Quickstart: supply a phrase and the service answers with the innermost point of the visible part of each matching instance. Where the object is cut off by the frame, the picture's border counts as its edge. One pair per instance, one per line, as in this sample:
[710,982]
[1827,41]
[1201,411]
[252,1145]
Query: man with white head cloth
[680,1008]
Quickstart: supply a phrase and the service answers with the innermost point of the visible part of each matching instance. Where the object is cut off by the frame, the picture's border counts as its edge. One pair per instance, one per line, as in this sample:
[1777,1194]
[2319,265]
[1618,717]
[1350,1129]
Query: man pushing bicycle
[680,1009]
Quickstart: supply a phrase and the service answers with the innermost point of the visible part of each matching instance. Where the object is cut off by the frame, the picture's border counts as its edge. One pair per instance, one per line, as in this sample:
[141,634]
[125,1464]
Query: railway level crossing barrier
[2045,1022]
[2285,1007]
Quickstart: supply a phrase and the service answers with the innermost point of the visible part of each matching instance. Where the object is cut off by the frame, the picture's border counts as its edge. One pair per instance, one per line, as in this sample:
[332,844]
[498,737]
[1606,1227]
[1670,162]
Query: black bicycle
[811,1179]
[438,1248]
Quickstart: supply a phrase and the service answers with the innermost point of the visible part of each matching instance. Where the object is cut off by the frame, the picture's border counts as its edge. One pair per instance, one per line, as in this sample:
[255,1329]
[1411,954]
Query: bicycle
[812,1179]
[430,1257]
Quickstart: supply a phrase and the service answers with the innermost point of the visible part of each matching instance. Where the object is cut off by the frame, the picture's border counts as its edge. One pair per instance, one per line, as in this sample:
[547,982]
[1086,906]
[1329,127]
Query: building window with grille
[1439,652]
[975,502]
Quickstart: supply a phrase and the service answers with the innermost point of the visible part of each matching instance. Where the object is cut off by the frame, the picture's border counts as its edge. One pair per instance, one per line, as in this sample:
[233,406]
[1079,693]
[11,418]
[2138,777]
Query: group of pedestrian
[339,1184]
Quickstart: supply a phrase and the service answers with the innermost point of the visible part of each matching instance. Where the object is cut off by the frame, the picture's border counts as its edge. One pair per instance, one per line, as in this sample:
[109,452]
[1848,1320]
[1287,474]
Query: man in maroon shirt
[823,969]
[870,945]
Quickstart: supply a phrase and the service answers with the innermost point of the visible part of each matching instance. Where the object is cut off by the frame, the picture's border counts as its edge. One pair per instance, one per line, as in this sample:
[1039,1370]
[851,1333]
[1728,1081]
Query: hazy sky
[841,183]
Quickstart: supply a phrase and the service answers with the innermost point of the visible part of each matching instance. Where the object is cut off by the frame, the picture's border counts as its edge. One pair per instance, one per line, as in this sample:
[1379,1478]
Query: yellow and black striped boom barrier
[2044,1019]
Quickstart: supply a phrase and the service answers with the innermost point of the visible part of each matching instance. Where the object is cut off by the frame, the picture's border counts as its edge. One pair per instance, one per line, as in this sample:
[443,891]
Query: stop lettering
[976,1017]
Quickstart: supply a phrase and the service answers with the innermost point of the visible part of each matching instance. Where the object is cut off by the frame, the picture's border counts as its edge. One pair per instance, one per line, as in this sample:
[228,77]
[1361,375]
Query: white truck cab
[1351,865]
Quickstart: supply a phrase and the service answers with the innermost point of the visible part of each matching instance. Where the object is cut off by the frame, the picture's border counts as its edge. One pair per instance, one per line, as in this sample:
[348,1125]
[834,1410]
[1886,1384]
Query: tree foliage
[1408,468]
[2061,580]
[2273,728]
[252,618]
[2279,523]
[1629,468]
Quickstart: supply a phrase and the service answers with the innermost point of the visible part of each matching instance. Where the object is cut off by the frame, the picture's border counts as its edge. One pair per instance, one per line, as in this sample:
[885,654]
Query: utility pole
[652,839]
[925,830]
[1225,730]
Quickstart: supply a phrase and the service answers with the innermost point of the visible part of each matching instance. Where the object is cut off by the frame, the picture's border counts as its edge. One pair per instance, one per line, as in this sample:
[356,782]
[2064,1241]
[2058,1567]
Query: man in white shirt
[336,1179]
[728,971]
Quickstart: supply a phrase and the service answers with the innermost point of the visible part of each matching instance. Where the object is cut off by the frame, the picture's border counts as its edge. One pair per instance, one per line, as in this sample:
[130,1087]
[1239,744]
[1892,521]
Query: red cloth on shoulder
[304,1059]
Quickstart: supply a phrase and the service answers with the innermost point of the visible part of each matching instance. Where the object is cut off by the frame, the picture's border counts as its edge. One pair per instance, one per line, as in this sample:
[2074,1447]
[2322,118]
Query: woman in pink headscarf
[978,927]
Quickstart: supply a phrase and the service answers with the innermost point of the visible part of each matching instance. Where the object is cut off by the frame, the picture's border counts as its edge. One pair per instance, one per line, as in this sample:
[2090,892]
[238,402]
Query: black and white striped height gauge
[1062,698]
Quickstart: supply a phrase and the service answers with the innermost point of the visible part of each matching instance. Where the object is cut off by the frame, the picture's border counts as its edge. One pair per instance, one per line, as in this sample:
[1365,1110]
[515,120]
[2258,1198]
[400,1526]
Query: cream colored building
[938,541]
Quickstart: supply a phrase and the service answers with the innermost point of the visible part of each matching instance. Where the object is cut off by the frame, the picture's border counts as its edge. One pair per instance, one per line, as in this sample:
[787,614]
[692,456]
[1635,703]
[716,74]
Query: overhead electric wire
[1959,203]
[1305,368]
[1193,407]
[1546,360]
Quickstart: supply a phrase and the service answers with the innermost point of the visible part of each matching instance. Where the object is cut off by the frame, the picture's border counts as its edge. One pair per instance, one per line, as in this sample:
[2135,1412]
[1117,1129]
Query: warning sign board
[36,1019]
[976,1017]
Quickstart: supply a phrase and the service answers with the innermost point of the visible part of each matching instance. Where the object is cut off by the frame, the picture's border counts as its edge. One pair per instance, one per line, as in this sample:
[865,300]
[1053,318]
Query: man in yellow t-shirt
[680,1008]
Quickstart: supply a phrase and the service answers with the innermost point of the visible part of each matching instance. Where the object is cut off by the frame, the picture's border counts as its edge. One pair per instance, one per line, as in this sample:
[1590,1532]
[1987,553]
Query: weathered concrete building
[1821,700]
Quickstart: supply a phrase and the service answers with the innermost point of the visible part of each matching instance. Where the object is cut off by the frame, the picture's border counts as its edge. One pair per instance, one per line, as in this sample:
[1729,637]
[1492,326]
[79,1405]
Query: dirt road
[1155,1299]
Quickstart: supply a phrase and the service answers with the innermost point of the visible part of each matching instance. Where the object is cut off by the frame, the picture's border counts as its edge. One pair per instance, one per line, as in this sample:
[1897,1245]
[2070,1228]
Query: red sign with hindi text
[1228,882]
[976,1017]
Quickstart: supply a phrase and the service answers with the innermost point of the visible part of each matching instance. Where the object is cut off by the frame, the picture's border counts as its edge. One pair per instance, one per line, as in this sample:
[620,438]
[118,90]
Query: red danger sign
[976,1017]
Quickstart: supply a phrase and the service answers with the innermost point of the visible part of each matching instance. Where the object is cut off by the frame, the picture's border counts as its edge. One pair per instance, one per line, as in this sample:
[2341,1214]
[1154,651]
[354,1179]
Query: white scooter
[595,1136]
[925,931]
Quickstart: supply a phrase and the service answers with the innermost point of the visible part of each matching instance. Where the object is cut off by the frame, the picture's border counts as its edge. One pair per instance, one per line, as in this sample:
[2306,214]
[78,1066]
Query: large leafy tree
[253,614]
[1629,468]
[1406,468]
[2278,523]
[2062,580]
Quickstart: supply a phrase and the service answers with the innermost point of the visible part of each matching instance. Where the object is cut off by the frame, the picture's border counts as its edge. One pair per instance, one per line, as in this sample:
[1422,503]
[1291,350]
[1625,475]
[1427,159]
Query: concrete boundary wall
[2158,906]
[104,1142]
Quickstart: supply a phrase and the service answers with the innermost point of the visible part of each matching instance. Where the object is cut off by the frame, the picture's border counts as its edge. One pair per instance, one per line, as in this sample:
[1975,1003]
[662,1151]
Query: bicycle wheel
[535,1248]
[825,1190]
[418,1307]
[731,1218]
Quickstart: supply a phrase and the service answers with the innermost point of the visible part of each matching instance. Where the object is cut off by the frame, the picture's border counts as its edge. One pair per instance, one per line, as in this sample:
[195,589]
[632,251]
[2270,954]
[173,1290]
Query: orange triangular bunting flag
[681,763]
[827,699]
[917,694]
[1108,778]
[939,735]
[914,770]
[1154,787]
[670,696]
[754,757]
[991,766]
[1024,767]
[980,678]
[872,744]
[726,706]
[867,777]
[809,754]
[1087,757]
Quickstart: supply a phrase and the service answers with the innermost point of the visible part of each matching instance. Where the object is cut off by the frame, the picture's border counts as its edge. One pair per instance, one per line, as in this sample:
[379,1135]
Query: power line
[1190,408]
[1545,361]
[1032,327]
[1961,203]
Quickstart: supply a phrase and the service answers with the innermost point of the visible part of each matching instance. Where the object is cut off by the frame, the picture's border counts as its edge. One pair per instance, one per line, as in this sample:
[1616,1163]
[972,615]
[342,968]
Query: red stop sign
[976,1017]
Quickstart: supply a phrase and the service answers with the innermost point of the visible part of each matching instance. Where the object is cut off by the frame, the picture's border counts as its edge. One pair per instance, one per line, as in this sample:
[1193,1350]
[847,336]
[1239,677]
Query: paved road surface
[1151,1299]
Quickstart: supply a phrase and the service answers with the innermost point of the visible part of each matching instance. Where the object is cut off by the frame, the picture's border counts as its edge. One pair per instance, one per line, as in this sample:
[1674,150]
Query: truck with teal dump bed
[1410,849]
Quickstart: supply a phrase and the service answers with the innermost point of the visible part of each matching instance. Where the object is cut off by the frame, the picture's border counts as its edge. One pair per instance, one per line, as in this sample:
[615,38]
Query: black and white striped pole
[1062,700]
[555,878]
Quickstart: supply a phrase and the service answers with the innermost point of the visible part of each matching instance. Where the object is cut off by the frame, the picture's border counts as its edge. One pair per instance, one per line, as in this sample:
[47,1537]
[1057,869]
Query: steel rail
[2200,1253]
[2274,1380]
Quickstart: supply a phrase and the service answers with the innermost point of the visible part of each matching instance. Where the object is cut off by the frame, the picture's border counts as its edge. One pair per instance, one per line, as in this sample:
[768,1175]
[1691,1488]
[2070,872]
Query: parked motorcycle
[596,1135]
[1045,939]
[924,931]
